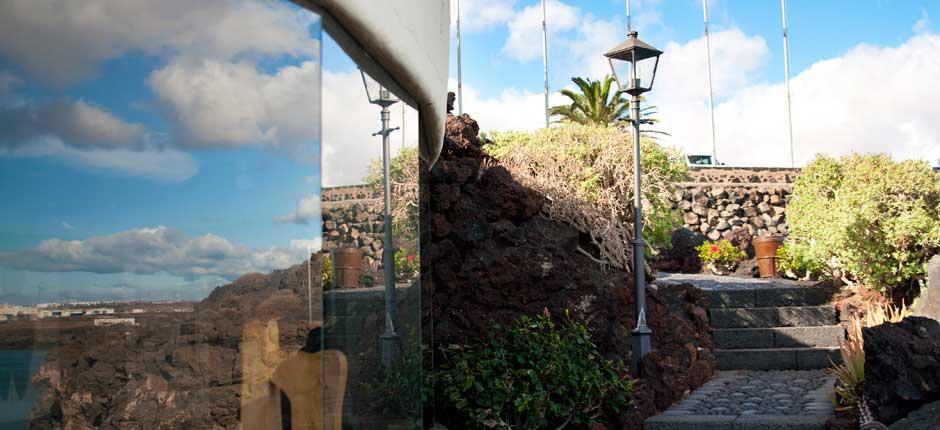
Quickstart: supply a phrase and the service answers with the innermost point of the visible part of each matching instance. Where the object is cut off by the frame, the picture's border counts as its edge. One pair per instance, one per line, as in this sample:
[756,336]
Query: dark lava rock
[902,366]
[495,256]
[927,417]
[172,370]
[681,257]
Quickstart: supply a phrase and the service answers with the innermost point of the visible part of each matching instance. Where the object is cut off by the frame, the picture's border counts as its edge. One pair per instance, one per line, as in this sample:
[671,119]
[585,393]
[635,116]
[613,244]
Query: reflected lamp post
[637,62]
[382,97]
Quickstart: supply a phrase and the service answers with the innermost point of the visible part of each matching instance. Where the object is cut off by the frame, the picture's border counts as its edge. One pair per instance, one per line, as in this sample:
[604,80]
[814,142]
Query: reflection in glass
[160,173]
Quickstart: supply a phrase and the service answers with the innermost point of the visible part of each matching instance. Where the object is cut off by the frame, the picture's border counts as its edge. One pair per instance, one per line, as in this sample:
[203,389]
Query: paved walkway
[748,399]
[716,283]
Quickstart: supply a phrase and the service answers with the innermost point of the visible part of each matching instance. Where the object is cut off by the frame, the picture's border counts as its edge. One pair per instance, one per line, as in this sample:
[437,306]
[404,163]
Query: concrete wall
[717,201]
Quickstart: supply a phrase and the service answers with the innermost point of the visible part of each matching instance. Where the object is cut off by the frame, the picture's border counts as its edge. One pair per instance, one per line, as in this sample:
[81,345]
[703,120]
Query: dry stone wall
[352,216]
[719,201]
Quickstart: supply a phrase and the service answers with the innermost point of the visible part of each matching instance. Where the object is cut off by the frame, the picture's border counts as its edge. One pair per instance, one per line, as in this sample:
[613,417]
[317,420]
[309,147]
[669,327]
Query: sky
[156,150]
[861,71]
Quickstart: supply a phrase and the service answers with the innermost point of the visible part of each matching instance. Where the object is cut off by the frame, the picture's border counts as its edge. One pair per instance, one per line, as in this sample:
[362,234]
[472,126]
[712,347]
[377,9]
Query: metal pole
[388,339]
[545,59]
[629,24]
[309,288]
[459,75]
[708,73]
[642,333]
[786,74]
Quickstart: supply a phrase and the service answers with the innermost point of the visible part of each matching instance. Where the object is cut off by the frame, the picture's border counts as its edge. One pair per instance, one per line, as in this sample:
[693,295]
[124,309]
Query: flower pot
[347,266]
[765,248]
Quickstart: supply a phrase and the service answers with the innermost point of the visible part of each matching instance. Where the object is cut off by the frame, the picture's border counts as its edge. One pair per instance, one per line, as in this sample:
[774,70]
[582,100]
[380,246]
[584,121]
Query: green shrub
[586,173]
[326,268]
[866,218]
[722,253]
[536,374]
[796,261]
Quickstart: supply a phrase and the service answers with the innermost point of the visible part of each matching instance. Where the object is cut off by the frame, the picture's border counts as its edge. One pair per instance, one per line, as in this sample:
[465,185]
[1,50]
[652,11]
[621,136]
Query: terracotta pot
[347,266]
[765,248]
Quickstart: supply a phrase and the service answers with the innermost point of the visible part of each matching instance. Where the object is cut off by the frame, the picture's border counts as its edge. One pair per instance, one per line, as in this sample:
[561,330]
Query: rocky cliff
[495,256]
[170,373]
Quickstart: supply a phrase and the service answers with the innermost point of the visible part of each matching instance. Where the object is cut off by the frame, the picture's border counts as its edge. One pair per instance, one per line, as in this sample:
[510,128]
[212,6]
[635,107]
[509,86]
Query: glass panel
[160,179]
[370,237]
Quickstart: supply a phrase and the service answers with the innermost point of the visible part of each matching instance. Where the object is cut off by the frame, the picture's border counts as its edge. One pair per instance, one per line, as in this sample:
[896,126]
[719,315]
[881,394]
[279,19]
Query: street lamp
[381,96]
[641,61]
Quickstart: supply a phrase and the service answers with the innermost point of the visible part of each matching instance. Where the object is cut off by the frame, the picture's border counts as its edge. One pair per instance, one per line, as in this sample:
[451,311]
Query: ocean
[17,393]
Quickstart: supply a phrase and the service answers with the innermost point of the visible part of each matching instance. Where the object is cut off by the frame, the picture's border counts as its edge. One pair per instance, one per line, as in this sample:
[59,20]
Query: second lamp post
[641,61]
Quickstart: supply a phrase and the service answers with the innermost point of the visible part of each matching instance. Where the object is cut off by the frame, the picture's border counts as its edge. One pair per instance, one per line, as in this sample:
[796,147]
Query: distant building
[105,322]
[99,311]
[137,311]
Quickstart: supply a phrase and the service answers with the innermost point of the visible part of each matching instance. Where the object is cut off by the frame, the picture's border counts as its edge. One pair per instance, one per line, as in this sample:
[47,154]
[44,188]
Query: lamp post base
[390,348]
[641,345]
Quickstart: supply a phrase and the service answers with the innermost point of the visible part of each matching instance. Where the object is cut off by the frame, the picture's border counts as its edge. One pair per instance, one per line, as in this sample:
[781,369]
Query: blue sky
[841,52]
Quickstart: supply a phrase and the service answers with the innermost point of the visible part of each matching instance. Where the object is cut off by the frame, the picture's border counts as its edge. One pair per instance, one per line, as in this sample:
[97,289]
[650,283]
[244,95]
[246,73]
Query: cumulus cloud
[65,41]
[307,211]
[216,103]
[348,123]
[148,251]
[512,109]
[832,112]
[525,28]
[81,134]
[481,14]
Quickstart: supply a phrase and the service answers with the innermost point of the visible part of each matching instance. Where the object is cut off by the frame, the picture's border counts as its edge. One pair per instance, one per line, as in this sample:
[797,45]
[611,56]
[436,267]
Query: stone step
[777,358]
[765,297]
[787,316]
[778,337]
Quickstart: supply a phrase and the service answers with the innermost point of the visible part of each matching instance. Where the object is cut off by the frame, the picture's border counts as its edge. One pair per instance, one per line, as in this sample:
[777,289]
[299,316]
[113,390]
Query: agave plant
[850,375]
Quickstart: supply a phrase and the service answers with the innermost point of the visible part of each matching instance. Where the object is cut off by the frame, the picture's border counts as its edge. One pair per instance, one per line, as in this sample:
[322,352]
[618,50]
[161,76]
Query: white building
[105,322]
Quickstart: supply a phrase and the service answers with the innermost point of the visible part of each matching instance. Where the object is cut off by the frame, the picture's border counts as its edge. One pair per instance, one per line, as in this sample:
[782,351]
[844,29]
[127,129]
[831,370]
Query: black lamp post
[381,96]
[641,61]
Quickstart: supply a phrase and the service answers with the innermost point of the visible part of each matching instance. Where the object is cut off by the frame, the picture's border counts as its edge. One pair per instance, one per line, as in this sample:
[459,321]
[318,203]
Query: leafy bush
[404,177]
[535,374]
[850,375]
[795,261]
[326,268]
[586,173]
[866,218]
[722,253]
[407,266]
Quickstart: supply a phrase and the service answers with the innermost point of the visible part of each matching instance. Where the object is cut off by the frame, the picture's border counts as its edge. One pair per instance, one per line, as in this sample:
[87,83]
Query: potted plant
[721,257]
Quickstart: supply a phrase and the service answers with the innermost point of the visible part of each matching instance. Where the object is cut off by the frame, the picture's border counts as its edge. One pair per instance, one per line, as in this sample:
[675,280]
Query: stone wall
[352,216]
[718,201]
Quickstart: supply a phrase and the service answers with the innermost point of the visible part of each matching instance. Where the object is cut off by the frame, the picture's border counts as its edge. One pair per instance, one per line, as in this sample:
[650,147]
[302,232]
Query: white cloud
[851,103]
[81,134]
[481,14]
[525,28]
[64,41]
[67,226]
[923,24]
[216,103]
[155,250]
[348,123]
[513,109]
[307,211]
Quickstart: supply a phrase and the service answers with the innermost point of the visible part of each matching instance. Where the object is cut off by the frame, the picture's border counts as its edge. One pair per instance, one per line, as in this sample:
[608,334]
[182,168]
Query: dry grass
[851,373]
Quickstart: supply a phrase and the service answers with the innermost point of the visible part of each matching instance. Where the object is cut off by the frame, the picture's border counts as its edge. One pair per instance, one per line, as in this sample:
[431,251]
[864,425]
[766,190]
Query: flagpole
[459,76]
[708,74]
[545,59]
[786,75]
[629,24]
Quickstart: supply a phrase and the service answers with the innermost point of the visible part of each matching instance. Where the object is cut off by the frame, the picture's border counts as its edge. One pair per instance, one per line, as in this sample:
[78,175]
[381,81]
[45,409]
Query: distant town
[104,313]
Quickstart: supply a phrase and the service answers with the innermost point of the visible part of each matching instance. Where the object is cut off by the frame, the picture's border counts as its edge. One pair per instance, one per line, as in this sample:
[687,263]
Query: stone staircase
[776,327]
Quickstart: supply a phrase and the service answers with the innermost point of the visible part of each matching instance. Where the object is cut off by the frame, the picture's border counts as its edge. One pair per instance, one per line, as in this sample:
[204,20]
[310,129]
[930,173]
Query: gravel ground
[747,392]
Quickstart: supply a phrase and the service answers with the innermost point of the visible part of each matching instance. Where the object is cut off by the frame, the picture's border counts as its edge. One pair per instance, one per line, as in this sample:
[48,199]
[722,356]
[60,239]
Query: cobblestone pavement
[713,282]
[754,400]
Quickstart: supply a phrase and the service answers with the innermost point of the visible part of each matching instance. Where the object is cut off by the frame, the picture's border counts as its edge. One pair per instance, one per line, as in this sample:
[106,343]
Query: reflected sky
[154,150]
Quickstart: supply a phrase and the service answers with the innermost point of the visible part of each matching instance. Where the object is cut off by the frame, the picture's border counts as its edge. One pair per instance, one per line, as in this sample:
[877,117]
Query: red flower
[713,248]
[410,257]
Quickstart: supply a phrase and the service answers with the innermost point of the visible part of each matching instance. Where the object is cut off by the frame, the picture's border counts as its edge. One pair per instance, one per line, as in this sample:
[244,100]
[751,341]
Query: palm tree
[597,105]
[594,105]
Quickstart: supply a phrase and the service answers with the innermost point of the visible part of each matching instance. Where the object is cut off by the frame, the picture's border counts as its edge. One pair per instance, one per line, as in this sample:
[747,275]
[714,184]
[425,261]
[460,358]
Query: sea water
[17,393]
